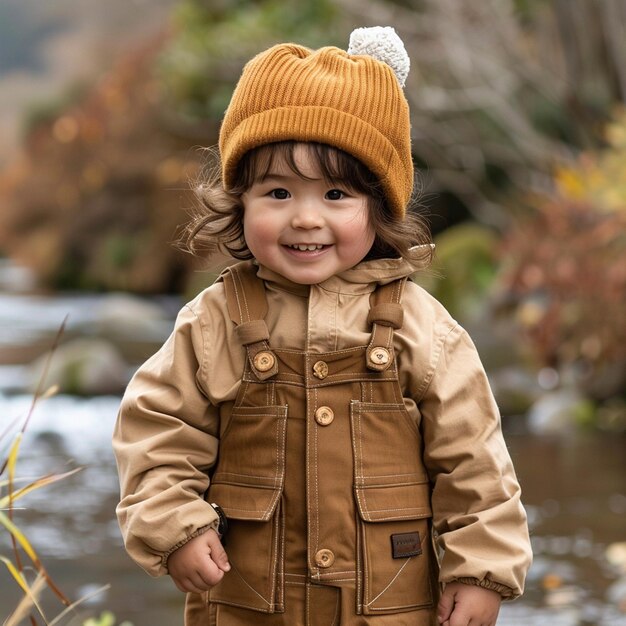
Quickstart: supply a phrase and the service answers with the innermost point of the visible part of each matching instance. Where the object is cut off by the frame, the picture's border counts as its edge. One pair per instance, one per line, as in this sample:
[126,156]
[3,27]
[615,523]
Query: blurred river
[574,492]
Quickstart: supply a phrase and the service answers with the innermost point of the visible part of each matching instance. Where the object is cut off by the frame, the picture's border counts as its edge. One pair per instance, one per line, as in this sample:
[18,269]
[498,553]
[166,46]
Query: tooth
[303,247]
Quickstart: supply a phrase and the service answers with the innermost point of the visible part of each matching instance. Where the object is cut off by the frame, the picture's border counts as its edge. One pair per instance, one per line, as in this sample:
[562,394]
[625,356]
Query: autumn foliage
[99,187]
[565,264]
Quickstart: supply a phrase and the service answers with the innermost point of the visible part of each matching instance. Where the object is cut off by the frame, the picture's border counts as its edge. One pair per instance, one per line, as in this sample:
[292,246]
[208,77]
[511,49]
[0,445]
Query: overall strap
[247,307]
[385,315]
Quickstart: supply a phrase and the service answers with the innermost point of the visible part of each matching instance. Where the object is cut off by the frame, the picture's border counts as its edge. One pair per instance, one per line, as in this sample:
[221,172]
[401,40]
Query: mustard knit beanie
[349,100]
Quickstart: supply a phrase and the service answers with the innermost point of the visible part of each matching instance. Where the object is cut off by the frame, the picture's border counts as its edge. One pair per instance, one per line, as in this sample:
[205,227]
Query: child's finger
[210,575]
[188,585]
[219,556]
[446,604]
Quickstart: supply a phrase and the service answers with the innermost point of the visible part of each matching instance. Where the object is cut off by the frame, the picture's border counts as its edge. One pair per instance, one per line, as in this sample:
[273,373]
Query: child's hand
[199,564]
[468,605]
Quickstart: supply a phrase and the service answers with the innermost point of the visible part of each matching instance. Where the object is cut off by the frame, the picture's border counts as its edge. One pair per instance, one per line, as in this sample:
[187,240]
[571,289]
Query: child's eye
[335,194]
[279,194]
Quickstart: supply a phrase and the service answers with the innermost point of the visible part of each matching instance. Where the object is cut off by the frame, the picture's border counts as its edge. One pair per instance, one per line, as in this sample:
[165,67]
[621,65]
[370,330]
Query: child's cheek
[259,234]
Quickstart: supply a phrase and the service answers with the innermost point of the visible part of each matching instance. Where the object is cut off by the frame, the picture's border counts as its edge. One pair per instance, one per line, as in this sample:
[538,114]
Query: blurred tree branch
[491,88]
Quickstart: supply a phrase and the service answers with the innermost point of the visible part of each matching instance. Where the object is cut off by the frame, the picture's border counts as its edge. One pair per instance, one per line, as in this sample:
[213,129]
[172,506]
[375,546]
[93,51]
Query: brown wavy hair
[217,220]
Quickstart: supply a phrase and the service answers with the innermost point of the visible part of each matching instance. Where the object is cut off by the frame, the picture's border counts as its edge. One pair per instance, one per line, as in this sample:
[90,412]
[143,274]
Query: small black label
[405,544]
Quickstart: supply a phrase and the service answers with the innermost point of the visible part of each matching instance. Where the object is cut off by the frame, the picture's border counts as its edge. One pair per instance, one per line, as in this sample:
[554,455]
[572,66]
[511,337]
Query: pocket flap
[393,502]
[245,502]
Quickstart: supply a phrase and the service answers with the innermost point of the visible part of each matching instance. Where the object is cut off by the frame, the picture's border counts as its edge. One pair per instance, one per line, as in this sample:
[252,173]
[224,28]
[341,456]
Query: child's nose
[307,215]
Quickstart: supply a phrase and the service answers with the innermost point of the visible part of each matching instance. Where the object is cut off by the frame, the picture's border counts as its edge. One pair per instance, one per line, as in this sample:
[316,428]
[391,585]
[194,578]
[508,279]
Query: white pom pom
[382,43]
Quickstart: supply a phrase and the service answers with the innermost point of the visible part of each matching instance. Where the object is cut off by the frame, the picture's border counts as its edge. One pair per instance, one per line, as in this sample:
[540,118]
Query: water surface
[573,490]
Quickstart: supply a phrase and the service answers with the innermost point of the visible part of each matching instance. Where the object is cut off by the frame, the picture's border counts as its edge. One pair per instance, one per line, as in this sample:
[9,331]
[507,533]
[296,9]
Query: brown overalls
[320,474]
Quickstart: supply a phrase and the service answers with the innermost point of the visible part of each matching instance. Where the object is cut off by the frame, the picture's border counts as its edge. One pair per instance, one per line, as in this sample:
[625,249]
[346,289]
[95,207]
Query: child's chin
[306,277]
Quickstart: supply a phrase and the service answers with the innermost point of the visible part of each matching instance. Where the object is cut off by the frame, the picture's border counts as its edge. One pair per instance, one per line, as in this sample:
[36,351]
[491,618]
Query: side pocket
[250,498]
[392,495]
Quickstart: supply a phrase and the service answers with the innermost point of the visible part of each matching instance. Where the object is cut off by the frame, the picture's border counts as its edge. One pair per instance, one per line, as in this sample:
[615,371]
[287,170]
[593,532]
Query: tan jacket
[167,435]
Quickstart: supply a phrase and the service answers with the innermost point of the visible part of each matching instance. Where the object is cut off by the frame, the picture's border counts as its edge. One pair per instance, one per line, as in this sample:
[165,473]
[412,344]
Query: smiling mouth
[306,247]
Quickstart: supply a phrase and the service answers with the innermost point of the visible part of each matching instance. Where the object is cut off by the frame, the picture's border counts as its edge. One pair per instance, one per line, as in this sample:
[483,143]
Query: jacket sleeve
[477,513]
[165,440]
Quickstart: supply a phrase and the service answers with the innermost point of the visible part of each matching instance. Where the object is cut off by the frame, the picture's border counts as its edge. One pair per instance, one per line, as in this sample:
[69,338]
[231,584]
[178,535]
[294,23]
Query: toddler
[316,443]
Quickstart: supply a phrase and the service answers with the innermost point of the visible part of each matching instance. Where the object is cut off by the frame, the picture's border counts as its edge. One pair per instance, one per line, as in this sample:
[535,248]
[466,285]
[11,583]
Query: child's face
[305,230]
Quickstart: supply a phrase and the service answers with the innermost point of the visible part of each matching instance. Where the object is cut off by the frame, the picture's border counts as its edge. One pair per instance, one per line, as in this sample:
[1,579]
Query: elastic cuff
[505,592]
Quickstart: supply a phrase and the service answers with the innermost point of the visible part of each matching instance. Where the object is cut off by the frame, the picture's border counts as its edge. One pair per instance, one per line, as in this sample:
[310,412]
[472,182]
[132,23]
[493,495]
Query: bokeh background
[519,136]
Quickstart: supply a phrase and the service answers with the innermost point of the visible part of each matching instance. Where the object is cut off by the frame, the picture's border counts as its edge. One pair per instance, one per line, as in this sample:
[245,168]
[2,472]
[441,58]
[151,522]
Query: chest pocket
[254,440]
[392,495]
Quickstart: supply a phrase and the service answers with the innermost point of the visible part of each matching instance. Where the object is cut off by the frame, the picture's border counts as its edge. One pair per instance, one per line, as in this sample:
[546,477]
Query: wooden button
[324,415]
[264,361]
[320,370]
[324,558]
[380,356]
